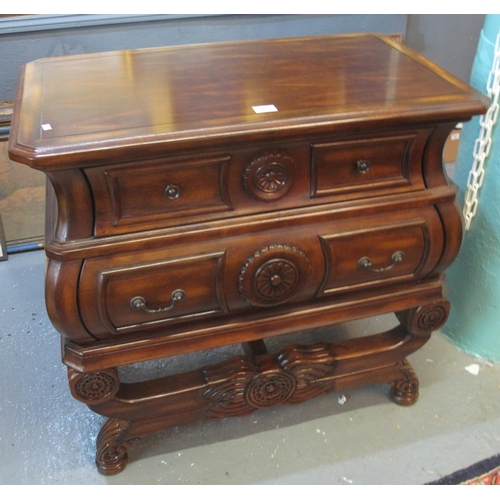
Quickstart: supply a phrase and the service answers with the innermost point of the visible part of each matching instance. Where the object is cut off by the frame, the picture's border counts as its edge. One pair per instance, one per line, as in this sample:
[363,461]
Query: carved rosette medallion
[269,176]
[425,319]
[269,389]
[95,387]
[432,318]
[276,278]
[273,275]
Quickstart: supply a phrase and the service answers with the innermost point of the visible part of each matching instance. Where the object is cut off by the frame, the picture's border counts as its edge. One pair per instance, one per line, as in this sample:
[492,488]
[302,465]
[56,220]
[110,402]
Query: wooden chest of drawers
[208,195]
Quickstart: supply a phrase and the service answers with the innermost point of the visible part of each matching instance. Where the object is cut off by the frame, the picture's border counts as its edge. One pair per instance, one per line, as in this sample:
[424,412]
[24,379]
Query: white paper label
[46,126]
[266,108]
[473,369]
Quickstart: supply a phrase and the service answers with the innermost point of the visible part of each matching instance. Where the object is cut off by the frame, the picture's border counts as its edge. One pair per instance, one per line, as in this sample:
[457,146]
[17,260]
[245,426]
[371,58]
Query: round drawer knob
[363,166]
[172,192]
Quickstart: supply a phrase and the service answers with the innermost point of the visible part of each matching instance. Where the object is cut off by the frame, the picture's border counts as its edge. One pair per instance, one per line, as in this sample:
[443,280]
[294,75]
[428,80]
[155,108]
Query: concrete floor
[47,437]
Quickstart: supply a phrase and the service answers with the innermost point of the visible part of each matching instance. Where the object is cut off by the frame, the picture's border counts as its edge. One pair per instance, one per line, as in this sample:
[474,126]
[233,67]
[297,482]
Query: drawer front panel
[263,178]
[145,193]
[132,297]
[380,252]
[359,166]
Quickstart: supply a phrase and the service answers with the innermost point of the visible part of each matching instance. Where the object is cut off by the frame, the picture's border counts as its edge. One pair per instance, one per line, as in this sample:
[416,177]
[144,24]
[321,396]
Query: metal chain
[482,145]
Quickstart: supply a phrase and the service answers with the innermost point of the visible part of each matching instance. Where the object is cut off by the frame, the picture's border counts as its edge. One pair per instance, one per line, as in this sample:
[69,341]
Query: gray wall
[19,48]
[449,40]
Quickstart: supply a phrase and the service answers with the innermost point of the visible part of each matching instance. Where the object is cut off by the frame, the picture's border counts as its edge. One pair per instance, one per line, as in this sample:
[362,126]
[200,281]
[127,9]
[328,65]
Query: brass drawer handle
[365,263]
[363,166]
[139,303]
[172,192]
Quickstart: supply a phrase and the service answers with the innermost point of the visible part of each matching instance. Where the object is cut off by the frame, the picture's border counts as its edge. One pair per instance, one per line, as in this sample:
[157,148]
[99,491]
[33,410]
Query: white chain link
[482,145]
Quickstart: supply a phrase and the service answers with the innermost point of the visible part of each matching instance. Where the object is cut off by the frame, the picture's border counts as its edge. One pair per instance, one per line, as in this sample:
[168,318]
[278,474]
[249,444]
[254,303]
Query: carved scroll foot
[420,323]
[112,447]
[404,390]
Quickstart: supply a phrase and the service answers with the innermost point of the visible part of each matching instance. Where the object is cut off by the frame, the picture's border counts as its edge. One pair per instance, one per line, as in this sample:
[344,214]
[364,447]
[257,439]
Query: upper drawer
[357,166]
[232,182]
[158,191]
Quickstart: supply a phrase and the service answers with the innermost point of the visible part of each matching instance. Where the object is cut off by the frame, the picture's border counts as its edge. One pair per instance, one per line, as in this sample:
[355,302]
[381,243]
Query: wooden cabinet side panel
[61,290]
[75,207]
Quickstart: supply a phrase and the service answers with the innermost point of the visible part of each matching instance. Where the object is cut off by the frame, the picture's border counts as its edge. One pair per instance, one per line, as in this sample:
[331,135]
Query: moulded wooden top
[73,109]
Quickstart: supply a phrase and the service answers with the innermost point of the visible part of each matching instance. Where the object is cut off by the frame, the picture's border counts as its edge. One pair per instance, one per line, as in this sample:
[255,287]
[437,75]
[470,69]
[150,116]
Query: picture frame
[3,245]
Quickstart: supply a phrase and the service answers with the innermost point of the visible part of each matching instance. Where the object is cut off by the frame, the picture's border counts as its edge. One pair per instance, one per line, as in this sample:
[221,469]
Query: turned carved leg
[420,322]
[112,443]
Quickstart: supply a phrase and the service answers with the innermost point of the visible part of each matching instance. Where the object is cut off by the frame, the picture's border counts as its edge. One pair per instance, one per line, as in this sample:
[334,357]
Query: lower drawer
[148,293]
[381,252]
[163,290]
